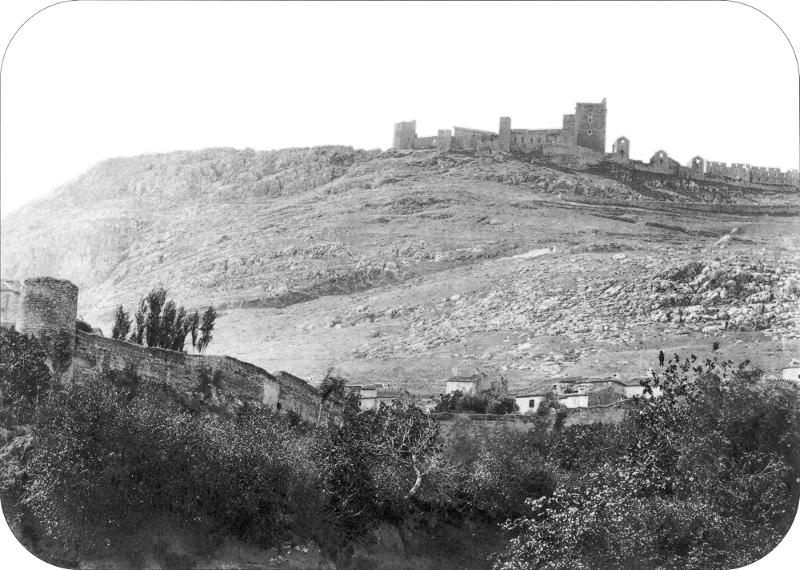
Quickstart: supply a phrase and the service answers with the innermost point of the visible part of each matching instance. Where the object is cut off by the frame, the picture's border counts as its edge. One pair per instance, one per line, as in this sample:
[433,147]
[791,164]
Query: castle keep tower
[404,135]
[48,310]
[590,125]
[505,134]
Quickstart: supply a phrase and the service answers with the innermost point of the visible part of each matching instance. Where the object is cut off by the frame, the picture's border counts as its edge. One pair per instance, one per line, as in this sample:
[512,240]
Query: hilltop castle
[581,142]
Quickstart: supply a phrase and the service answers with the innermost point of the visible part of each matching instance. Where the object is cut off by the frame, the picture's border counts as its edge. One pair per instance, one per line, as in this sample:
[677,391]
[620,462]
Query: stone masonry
[48,310]
[581,142]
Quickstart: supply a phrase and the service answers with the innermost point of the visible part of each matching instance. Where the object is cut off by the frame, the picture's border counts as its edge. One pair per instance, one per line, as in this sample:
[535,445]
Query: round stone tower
[48,310]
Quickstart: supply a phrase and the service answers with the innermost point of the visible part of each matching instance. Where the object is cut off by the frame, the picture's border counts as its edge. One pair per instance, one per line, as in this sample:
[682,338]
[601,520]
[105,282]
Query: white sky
[84,81]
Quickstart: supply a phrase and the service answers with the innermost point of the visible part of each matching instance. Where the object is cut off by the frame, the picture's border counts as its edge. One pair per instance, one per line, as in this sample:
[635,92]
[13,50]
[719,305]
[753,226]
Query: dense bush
[107,460]
[498,473]
[482,403]
[706,476]
[25,379]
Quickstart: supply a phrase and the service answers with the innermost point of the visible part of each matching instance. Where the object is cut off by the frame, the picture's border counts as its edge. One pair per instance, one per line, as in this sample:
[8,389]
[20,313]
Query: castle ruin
[581,142]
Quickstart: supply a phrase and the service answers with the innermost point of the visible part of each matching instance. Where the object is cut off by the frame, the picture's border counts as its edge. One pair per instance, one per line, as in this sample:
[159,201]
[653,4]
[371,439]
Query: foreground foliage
[705,476]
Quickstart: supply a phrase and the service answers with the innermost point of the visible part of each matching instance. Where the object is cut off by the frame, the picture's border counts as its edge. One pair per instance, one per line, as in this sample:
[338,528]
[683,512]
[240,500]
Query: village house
[579,392]
[791,374]
[469,380]
[371,396]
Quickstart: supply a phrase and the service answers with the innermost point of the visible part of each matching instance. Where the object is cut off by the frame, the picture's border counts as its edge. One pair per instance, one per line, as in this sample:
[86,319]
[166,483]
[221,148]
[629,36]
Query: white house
[632,387]
[579,392]
[468,380]
[791,374]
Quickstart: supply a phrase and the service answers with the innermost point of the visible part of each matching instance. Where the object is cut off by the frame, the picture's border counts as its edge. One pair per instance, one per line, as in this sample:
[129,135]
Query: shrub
[106,461]
[705,476]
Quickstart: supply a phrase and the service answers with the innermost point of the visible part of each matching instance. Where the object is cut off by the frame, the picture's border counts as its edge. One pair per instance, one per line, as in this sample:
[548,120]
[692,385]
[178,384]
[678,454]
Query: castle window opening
[531,403]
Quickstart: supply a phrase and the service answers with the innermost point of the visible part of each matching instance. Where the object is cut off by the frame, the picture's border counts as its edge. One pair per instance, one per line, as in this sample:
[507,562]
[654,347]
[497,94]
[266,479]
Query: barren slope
[395,266]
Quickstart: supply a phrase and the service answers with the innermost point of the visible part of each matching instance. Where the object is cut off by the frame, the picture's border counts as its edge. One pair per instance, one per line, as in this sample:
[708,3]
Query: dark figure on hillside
[661,358]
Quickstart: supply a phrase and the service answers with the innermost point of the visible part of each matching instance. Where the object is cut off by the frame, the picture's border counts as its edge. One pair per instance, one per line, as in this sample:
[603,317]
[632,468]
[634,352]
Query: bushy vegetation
[705,476]
[25,379]
[482,403]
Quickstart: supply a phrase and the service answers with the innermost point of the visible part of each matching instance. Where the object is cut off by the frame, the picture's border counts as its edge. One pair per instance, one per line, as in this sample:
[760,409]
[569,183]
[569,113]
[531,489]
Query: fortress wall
[95,355]
[48,310]
[423,142]
[572,156]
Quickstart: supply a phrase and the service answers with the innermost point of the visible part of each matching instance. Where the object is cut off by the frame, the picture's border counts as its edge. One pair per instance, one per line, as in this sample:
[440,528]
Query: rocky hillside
[396,265]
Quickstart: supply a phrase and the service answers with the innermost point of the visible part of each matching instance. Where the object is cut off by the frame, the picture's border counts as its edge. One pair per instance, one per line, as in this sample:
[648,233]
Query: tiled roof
[538,387]
[393,393]
[474,378]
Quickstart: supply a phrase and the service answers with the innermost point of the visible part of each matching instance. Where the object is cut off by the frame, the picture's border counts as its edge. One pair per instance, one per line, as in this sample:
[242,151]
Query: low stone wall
[244,382]
[731,209]
[483,425]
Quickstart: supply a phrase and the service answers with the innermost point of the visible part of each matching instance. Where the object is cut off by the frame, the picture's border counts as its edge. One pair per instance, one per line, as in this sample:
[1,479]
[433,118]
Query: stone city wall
[94,356]
[48,310]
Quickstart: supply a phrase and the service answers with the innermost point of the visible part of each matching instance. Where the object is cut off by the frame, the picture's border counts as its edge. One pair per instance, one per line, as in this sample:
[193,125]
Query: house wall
[465,387]
[791,374]
[367,403]
[524,403]
[577,401]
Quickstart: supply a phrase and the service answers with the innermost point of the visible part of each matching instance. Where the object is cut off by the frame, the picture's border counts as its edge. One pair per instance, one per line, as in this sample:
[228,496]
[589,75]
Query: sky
[85,81]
